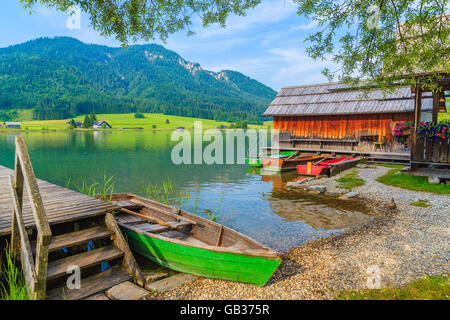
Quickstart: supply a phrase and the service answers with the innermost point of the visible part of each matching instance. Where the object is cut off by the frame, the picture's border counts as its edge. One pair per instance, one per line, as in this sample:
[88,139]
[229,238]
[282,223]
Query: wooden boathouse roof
[340,98]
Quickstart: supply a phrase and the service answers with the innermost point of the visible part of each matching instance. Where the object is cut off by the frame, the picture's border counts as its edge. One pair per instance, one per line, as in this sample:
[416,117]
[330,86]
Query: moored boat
[185,242]
[326,167]
[256,162]
[289,163]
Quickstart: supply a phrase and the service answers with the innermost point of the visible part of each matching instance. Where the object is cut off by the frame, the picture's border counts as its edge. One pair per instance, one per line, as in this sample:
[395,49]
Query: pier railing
[35,271]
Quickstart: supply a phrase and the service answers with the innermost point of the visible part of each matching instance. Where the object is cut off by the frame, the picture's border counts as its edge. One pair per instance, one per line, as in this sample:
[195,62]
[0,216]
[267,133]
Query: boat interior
[159,220]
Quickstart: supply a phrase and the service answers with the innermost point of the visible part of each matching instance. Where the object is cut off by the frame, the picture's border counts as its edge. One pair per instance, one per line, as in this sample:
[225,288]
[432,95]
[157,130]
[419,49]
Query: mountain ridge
[62,77]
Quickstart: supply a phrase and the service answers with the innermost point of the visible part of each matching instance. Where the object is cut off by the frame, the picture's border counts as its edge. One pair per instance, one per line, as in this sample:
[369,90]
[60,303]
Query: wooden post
[128,261]
[24,172]
[41,266]
[417,110]
[37,206]
[18,187]
[436,97]
[26,256]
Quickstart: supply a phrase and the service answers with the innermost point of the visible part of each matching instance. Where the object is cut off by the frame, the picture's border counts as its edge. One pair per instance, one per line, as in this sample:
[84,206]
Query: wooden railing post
[19,238]
[26,257]
[18,186]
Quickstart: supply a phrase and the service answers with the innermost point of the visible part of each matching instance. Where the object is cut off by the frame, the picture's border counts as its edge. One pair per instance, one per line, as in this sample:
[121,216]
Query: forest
[62,77]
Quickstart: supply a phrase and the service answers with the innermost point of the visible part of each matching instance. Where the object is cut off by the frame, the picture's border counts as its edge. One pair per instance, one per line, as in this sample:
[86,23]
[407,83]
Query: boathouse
[335,117]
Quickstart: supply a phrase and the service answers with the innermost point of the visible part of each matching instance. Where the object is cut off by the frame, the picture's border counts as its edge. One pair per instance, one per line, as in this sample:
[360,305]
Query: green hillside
[62,77]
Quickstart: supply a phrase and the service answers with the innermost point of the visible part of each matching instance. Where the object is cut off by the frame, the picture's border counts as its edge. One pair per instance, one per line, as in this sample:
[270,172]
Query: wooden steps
[92,285]
[76,238]
[112,248]
[49,271]
[83,260]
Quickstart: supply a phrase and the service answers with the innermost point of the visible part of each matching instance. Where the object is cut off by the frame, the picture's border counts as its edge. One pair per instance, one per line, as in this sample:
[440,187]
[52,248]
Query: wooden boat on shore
[256,162]
[289,163]
[185,242]
[326,167]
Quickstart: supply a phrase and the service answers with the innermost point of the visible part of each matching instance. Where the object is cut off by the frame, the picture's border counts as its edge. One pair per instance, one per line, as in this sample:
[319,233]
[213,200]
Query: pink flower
[438,134]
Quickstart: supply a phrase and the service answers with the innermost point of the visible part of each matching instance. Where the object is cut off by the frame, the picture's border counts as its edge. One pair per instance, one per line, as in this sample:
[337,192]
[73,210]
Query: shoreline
[404,244]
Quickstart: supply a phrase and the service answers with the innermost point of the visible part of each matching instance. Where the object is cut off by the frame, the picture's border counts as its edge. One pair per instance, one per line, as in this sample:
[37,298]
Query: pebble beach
[402,244]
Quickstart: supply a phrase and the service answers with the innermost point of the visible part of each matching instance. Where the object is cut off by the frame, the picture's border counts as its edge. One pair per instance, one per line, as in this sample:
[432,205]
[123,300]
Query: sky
[266,45]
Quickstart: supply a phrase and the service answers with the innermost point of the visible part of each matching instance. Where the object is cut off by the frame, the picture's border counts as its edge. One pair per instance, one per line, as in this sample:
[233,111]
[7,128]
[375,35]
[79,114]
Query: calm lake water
[241,197]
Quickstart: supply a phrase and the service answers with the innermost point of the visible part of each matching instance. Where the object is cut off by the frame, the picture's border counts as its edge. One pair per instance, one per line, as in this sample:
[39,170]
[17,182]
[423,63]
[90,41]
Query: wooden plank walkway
[61,204]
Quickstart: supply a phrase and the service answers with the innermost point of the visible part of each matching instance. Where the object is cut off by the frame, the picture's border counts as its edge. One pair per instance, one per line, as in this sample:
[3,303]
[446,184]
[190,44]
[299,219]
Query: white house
[12,125]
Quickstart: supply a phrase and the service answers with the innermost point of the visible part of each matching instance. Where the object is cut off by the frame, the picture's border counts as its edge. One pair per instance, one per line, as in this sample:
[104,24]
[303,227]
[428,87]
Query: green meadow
[152,121]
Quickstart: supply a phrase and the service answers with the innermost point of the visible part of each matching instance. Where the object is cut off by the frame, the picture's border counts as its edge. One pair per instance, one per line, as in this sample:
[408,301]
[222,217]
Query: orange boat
[291,163]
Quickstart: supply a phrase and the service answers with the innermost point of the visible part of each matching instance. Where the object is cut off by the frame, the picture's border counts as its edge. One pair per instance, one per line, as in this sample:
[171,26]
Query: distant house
[101,125]
[78,124]
[12,125]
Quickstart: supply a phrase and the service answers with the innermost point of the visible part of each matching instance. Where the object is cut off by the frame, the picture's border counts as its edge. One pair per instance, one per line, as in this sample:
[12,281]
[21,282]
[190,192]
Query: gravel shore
[404,244]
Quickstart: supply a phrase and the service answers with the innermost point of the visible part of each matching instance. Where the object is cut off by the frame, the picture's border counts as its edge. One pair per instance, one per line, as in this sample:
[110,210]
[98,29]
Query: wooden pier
[69,244]
[61,205]
[370,156]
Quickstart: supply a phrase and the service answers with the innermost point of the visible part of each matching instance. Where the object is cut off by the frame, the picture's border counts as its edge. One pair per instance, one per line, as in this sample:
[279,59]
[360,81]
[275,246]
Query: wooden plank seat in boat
[154,228]
[124,203]
[147,225]
[127,218]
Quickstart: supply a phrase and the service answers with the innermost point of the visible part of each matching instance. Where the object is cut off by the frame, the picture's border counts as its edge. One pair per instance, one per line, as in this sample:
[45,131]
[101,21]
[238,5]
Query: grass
[391,165]
[13,285]
[444,116]
[105,188]
[164,193]
[152,121]
[428,288]
[421,203]
[406,181]
[350,181]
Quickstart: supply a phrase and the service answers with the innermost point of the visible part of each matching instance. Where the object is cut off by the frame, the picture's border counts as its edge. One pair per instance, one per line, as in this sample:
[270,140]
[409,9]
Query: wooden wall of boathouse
[342,128]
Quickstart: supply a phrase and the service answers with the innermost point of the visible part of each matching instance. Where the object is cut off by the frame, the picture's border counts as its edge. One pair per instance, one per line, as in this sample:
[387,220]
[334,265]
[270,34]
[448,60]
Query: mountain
[62,77]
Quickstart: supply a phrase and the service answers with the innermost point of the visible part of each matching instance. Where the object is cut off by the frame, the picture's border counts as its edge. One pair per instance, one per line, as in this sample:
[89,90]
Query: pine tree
[87,122]
[93,118]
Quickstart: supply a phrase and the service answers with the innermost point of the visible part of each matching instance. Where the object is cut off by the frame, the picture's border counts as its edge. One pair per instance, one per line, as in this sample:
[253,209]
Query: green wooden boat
[256,162]
[185,242]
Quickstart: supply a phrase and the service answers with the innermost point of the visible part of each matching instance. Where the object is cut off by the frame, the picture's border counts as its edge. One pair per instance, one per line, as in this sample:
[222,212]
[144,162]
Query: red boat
[325,167]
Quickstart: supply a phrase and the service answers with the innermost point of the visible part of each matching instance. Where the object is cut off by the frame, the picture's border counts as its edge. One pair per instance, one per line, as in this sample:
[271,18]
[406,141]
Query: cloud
[297,67]
[267,12]
[308,26]
[278,67]
[43,10]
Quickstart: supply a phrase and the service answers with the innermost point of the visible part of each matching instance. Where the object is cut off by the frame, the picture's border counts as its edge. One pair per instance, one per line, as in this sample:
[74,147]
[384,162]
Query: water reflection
[247,199]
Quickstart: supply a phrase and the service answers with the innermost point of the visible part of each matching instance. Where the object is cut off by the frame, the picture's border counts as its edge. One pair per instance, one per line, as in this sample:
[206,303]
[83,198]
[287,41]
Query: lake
[140,162]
